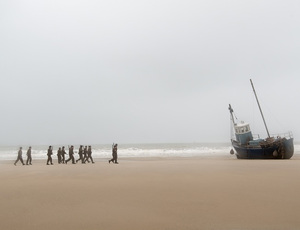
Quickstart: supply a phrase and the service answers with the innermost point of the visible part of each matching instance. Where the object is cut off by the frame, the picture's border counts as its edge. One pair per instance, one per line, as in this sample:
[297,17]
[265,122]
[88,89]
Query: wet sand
[160,194]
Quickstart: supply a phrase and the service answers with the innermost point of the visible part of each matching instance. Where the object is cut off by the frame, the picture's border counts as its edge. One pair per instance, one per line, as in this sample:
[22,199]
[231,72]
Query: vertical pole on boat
[233,121]
[260,108]
[231,113]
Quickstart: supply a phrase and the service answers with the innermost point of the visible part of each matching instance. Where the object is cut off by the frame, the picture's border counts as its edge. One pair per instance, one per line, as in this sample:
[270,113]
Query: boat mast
[231,113]
[233,121]
[260,109]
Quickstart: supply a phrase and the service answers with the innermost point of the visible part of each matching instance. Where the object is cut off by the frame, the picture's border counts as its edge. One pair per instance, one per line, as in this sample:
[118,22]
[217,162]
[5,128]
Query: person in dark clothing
[114,154]
[71,155]
[80,153]
[59,155]
[84,159]
[63,153]
[29,158]
[19,157]
[89,155]
[49,154]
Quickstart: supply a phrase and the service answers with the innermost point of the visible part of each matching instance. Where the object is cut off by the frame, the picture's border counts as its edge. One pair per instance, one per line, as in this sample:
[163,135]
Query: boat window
[247,128]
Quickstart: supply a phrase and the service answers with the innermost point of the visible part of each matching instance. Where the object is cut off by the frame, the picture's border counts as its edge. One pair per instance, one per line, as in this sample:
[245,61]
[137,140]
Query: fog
[146,71]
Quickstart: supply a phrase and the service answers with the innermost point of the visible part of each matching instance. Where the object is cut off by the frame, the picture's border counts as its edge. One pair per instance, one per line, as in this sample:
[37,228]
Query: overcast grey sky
[140,71]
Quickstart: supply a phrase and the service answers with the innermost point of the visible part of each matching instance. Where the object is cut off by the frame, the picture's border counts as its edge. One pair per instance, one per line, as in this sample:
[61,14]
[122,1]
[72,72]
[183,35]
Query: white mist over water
[134,150]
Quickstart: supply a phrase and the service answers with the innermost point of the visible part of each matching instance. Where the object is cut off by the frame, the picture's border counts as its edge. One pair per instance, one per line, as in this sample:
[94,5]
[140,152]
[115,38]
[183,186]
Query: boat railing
[287,135]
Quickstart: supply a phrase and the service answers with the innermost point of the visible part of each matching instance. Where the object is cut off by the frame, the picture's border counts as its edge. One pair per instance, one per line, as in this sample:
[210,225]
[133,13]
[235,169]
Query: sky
[136,71]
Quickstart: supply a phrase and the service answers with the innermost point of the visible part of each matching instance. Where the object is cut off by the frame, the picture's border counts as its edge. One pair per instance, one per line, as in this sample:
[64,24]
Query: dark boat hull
[284,150]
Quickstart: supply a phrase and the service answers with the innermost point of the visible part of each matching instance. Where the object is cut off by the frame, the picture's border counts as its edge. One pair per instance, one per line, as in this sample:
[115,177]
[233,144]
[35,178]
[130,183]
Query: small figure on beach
[71,155]
[49,154]
[80,153]
[63,153]
[114,154]
[59,155]
[19,157]
[85,156]
[89,154]
[29,158]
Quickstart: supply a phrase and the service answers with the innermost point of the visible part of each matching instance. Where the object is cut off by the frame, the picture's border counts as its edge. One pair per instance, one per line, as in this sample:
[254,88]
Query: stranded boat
[272,147]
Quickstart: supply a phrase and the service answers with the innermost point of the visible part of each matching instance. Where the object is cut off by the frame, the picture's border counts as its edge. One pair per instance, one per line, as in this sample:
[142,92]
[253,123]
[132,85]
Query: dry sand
[167,193]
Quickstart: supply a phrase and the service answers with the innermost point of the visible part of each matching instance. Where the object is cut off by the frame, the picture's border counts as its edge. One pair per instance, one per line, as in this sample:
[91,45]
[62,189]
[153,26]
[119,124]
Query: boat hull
[282,150]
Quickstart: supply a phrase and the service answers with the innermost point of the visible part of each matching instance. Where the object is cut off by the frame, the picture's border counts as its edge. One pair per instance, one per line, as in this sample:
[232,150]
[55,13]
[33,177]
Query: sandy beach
[152,193]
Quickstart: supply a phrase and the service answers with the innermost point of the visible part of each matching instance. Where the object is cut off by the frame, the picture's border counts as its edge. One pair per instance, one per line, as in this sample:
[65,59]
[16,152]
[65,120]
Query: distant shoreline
[141,159]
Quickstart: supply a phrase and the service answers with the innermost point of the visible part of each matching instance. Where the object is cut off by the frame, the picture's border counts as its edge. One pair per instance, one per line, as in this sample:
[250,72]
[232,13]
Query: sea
[158,150]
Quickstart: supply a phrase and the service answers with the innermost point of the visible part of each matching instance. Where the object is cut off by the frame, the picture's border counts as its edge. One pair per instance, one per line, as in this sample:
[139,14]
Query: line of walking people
[20,158]
[85,155]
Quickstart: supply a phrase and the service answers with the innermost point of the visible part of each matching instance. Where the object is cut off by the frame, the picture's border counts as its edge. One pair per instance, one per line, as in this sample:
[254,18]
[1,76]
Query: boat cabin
[243,133]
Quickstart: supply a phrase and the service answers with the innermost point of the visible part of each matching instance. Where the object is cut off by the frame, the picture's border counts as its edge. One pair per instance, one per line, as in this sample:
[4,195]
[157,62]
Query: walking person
[59,155]
[80,153]
[71,155]
[84,159]
[114,154]
[29,158]
[89,155]
[49,154]
[63,153]
[19,157]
